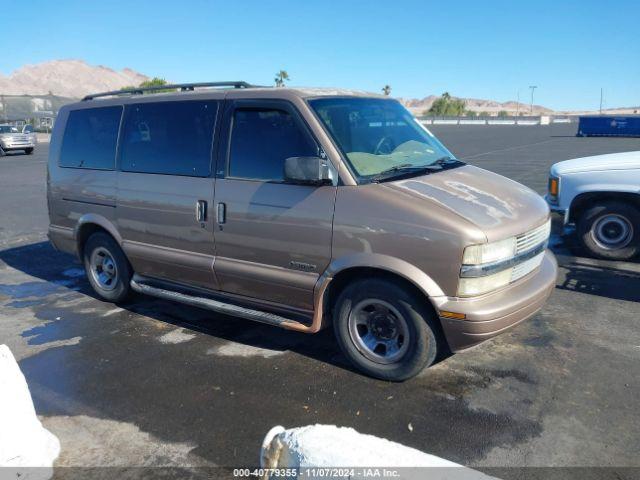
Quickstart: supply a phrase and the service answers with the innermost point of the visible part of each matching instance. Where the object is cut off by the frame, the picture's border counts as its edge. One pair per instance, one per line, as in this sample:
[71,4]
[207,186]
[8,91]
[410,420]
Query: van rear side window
[90,138]
[171,138]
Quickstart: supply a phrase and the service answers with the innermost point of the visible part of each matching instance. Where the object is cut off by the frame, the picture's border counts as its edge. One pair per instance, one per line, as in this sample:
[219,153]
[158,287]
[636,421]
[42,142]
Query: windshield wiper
[440,164]
[403,169]
[448,162]
[400,170]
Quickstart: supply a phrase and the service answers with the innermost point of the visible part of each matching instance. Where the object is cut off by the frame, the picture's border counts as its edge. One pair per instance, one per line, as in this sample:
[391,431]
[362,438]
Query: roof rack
[184,87]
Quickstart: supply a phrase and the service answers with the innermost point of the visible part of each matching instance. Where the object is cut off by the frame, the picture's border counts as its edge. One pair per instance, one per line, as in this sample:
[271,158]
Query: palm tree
[281,77]
[386,90]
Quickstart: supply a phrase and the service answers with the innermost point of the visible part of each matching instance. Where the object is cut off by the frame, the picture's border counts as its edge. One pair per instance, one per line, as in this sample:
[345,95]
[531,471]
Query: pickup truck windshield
[379,137]
[7,129]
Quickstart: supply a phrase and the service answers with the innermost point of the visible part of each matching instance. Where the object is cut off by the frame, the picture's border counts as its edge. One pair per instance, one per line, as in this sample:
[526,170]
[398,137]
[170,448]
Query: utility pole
[518,104]
[533,88]
[601,100]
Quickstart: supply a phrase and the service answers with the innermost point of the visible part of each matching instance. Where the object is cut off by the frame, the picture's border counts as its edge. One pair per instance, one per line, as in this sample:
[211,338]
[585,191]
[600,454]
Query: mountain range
[74,79]
[67,78]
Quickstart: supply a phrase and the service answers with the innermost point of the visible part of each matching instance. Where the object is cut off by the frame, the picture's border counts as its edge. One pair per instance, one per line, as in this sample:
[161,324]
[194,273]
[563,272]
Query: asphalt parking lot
[153,383]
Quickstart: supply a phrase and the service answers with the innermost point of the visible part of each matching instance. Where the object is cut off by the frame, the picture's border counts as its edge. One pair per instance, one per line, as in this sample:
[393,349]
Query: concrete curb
[314,448]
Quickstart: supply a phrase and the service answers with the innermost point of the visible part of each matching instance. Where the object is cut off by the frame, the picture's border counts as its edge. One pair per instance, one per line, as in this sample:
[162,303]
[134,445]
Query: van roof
[218,90]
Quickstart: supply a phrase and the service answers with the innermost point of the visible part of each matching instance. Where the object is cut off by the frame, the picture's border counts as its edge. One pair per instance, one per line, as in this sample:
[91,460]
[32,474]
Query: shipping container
[609,126]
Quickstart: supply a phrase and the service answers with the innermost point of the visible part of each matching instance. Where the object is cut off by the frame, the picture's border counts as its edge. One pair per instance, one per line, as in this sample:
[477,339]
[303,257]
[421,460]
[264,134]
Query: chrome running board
[138,285]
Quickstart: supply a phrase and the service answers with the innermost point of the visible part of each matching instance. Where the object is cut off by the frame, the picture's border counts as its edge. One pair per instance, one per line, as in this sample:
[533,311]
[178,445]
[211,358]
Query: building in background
[38,110]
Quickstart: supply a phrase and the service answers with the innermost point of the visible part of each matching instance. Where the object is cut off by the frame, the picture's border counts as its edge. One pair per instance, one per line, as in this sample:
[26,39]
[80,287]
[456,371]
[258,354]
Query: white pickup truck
[600,195]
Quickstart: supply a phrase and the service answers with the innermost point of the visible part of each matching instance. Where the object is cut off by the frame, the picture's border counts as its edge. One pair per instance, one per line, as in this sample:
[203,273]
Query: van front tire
[107,268]
[385,331]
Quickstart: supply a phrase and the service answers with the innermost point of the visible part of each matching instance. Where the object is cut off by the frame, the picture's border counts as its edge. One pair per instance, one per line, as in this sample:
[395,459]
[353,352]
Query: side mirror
[307,171]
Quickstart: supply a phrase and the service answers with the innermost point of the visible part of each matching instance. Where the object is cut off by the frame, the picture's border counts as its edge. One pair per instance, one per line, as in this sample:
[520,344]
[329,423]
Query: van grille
[526,267]
[528,241]
[533,238]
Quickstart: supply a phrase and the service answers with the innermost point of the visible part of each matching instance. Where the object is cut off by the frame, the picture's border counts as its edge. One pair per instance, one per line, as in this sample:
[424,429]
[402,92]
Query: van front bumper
[492,314]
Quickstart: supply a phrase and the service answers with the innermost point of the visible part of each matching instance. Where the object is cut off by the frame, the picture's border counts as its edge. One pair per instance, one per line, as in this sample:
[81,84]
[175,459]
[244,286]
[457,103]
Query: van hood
[610,161]
[495,204]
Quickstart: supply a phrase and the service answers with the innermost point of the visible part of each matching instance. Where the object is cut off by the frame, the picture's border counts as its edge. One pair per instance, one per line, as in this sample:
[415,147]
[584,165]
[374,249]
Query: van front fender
[384,263]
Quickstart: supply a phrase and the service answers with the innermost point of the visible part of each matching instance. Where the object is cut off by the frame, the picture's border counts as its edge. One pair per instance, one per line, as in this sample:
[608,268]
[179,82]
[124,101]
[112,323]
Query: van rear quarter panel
[74,193]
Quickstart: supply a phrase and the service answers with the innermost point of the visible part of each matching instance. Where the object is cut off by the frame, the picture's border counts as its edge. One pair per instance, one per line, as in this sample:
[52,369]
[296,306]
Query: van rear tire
[385,330]
[107,268]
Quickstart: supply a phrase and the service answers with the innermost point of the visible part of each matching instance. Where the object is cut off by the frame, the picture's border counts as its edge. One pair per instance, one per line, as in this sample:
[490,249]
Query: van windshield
[380,138]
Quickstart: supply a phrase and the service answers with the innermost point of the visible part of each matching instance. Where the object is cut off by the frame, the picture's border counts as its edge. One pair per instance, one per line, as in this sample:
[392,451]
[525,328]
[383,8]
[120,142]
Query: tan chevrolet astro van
[299,208]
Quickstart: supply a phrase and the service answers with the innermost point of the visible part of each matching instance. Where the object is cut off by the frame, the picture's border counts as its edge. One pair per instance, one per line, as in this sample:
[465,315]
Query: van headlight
[490,266]
[469,287]
[489,252]
[481,272]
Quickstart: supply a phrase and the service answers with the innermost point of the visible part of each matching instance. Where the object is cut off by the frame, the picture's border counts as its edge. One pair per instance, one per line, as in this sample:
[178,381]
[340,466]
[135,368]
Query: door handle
[221,213]
[201,211]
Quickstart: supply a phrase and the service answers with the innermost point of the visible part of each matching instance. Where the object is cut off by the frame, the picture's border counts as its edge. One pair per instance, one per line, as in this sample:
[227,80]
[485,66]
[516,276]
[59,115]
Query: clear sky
[480,48]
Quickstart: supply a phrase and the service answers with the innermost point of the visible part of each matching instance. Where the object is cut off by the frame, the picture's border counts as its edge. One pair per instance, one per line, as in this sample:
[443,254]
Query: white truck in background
[600,195]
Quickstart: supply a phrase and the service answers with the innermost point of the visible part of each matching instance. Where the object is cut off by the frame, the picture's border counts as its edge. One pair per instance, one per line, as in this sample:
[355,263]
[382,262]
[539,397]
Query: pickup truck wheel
[107,268]
[384,330]
[610,230]
[28,151]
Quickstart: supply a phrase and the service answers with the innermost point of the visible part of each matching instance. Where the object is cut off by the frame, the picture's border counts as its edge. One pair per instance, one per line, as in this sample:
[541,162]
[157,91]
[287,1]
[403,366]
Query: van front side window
[261,140]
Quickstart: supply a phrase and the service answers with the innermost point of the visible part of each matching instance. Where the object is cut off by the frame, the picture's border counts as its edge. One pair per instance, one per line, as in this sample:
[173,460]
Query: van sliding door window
[90,138]
[170,138]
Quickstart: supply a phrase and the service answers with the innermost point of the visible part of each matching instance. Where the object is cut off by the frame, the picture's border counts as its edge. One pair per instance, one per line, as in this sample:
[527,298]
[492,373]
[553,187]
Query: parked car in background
[11,139]
[600,195]
[29,130]
[298,208]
